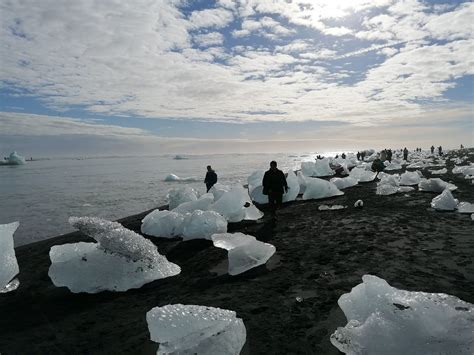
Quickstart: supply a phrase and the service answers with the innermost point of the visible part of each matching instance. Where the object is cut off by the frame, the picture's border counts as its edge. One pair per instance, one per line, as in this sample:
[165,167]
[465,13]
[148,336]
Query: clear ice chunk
[465,207]
[203,224]
[435,185]
[318,188]
[164,224]
[385,320]
[245,252]
[8,263]
[175,197]
[293,187]
[191,329]
[343,183]
[362,175]
[445,201]
[203,203]
[231,205]
[410,178]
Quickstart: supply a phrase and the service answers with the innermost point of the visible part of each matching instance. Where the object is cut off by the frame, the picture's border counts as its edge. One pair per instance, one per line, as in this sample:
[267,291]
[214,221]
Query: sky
[101,77]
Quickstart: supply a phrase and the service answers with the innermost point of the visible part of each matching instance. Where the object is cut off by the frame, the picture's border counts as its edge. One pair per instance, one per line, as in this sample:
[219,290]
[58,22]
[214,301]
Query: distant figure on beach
[358,155]
[377,165]
[405,154]
[462,147]
[440,151]
[211,178]
[343,155]
[432,149]
[274,184]
[362,155]
[389,155]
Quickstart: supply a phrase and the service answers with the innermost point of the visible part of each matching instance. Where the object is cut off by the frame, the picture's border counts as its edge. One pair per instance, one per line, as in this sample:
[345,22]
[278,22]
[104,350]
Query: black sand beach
[320,255]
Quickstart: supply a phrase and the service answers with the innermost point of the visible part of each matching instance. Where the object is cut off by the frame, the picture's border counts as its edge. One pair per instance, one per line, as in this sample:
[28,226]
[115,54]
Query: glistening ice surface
[8,264]
[385,320]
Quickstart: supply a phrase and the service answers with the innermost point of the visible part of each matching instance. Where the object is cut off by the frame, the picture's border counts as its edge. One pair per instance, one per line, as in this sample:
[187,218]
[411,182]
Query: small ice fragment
[359,203]
[299,299]
[445,201]
[8,263]
[465,207]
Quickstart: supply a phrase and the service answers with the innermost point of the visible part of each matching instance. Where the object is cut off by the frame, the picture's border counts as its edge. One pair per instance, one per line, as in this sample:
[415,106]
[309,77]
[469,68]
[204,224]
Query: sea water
[43,194]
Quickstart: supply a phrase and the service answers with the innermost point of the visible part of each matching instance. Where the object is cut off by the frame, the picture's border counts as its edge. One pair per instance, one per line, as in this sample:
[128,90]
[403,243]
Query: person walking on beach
[211,178]
[432,149]
[440,151]
[405,154]
[274,184]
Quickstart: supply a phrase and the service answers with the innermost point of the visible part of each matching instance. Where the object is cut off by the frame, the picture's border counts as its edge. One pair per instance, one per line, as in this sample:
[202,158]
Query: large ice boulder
[191,329]
[121,259]
[301,181]
[319,188]
[392,166]
[389,179]
[203,224]
[180,195]
[293,187]
[245,252]
[231,204]
[465,170]
[385,320]
[362,175]
[410,178]
[203,203]
[386,189]
[16,159]
[435,185]
[165,224]
[255,187]
[343,183]
[218,190]
[318,168]
[252,213]
[445,201]
[465,207]
[307,168]
[8,264]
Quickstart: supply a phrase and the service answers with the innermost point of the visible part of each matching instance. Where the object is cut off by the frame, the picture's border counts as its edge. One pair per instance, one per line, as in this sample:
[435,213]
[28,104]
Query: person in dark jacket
[211,178]
[274,184]
[405,154]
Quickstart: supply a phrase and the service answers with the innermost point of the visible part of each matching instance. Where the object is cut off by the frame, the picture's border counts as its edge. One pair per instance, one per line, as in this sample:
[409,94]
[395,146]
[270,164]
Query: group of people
[361,155]
[440,150]
[274,184]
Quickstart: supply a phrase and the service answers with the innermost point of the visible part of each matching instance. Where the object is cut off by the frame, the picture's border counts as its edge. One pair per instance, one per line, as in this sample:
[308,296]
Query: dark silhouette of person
[440,151]
[405,153]
[378,165]
[274,184]
[389,155]
[211,178]
[343,155]
[432,149]
[358,155]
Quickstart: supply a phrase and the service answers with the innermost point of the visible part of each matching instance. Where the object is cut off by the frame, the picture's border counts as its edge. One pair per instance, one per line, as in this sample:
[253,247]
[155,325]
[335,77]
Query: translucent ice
[319,188]
[445,201]
[301,181]
[203,224]
[113,237]
[333,207]
[342,183]
[410,178]
[252,213]
[16,159]
[392,166]
[231,204]
[8,264]
[362,175]
[203,203]
[465,207]
[191,329]
[294,187]
[255,187]
[165,224]
[245,252]
[173,177]
[439,172]
[318,168]
[359,203]
[389,321]
[180,195]
[87,267]
[218,190]
[416,165]
[405,189]
[386,189]
[435,185]
[389,179]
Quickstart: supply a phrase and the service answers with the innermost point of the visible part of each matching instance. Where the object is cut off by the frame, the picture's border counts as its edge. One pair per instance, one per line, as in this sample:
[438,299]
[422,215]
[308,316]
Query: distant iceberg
[180,157]
[13,159]
[173,177]
[385,320]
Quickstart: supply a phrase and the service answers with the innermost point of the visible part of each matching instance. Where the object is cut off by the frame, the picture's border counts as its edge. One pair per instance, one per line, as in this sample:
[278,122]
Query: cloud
[209,39]
[211,18]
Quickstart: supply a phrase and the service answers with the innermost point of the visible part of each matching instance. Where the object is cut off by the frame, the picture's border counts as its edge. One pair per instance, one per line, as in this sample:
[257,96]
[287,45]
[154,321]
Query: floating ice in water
[8,264]
[439,172]
[203,224]
[319,188]
[410,178]
[252,213]
[333,207]
[191,329]
[179,157]
[245,252]
[445,201]
[218,190]
[15,159]
[294,187]
[435,185]
[173,177]
[203,203]
[180,195]
[362,175]
[389,321]
[231,204]
[465,207]
[359,203]
[165,224]
[392,166]
[121,259]
[342,183]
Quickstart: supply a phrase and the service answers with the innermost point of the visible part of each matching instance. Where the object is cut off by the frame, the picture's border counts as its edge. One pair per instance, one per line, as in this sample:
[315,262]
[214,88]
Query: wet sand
[289,306]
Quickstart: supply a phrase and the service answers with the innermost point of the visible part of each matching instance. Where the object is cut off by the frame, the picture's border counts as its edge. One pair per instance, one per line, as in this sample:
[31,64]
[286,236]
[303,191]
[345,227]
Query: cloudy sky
[176,76]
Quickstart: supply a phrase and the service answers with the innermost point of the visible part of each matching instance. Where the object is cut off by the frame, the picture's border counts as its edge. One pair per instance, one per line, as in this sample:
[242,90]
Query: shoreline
[320,255]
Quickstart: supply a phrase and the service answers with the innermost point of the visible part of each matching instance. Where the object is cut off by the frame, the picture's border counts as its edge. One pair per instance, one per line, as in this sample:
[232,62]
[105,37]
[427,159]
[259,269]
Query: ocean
[43,194]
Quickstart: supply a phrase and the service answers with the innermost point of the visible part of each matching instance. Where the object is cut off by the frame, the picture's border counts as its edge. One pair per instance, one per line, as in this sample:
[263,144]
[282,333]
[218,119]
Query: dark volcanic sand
[320,255]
